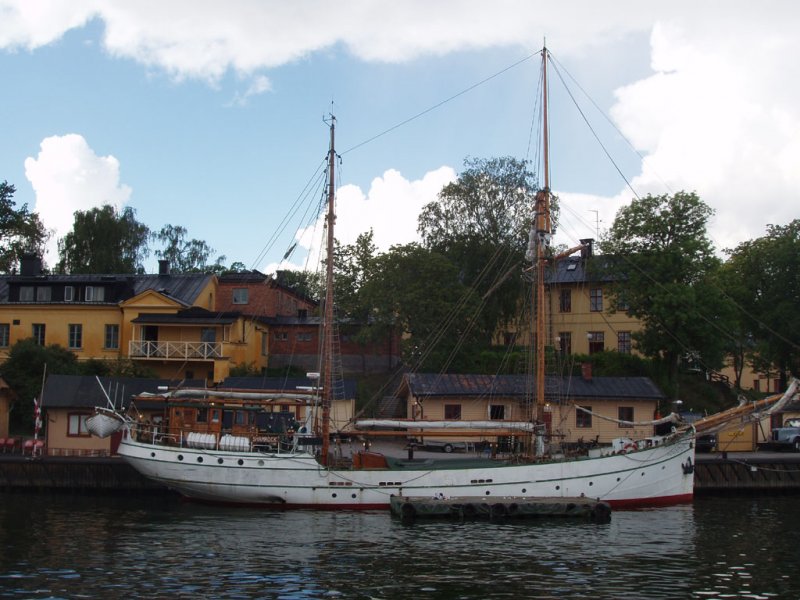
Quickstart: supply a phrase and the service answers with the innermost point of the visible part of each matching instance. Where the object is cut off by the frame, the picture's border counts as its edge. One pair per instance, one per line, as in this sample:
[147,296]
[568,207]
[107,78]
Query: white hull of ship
[653,476]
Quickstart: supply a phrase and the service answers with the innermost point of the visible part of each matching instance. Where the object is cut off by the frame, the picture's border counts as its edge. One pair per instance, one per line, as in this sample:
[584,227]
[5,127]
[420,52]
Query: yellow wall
[60,443]
[563,416]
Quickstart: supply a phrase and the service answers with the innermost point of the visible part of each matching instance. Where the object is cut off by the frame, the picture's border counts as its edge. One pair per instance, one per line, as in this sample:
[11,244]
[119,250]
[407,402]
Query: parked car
[444,445]
[705,443]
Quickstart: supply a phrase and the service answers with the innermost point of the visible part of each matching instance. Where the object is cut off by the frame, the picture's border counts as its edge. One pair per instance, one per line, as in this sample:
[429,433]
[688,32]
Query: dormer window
[26,293]
[302,313]
[43,293]
[69,293]
[95,293]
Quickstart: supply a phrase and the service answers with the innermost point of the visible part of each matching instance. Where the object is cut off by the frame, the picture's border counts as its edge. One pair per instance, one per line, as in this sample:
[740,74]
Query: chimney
[586,371]
[30,265]
[588,248]
[163,267]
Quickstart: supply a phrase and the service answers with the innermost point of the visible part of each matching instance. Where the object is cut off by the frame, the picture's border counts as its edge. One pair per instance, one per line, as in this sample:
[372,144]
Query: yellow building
[606,400]
[166,322]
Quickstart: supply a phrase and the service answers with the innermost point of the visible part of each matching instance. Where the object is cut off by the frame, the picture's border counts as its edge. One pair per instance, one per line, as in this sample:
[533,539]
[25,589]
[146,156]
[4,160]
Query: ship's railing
[253,442]
[174,350]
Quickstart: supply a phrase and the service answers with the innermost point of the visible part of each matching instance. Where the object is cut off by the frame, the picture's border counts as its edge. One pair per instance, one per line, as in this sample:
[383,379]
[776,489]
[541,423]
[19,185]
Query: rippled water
[74,546]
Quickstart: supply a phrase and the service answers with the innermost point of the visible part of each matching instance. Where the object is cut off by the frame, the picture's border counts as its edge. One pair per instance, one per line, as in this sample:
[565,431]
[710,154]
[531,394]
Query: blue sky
[209,114]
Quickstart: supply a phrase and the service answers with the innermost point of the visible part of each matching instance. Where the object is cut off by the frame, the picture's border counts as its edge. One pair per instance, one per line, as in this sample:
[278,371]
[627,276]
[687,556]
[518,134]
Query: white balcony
[141,349]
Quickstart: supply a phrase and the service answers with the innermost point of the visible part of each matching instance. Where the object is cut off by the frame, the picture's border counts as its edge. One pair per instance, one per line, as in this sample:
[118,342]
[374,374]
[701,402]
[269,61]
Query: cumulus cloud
[390,209]
[717,119]
[68,176]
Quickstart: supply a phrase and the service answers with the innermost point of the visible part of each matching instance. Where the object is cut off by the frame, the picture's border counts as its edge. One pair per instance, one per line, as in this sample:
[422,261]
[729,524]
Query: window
[497,412]
[69,293]
[302,313]
[38,333]
[565,342]
[75,337]
[565,301]
[240,295]
[26,293]
[452,412]
[304,337]
[624,342]
[596,299]
[756,385]
[43,293]
[281,336]
[583,419]
[95,293]
[597,341]
[5,334]
[622,302]
[111,341]
[625,414]
[76,425]
[509,338]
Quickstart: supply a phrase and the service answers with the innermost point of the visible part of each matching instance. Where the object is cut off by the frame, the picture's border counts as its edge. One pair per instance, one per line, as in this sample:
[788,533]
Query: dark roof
[243,277]
[426,384]
[190,316]
[580,270]
[282,384]
[83,391]
[184,288]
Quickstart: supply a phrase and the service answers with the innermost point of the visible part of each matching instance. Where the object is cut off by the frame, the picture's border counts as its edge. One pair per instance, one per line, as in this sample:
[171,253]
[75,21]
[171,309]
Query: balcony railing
[175,350]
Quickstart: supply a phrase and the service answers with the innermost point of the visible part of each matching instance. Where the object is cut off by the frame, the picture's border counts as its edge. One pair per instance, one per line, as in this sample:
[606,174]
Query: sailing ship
[284,464]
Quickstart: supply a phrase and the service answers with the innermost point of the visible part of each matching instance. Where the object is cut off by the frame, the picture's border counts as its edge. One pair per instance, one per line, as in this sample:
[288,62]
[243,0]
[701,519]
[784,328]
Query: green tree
[23,371]
[21,231]
[763,277]
[664,267]
[305,283]
[480,222]
[104,240]
[416,292]
[353,267]
[185,255]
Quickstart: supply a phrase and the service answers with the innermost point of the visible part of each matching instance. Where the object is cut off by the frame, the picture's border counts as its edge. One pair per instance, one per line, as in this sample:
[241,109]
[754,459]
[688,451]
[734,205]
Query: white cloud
[390,209]
[68,176]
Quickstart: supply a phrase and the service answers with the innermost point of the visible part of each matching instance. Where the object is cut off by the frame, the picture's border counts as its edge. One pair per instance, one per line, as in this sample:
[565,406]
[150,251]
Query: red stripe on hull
[650,502]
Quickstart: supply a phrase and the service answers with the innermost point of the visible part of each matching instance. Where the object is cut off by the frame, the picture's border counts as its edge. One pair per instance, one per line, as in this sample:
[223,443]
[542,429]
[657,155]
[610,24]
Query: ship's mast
[327,362]
[543,231]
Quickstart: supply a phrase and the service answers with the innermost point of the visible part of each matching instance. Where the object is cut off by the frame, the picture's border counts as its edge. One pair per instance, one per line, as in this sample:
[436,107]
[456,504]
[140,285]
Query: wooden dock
[461,508]
[745,472]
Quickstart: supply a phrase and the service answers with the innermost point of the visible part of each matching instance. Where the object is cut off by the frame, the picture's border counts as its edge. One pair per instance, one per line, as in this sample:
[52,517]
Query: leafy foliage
[185,255]
[103,240]
[23,370]
[480,223]
[763,277]
[664,269]
[21,231]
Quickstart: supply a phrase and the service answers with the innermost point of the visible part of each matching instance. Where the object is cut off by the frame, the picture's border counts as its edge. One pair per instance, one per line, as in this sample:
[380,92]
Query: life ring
[630,447]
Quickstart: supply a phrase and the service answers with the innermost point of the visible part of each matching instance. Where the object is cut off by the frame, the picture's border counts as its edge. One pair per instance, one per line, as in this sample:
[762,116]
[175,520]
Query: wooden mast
[543,230]
[328,326]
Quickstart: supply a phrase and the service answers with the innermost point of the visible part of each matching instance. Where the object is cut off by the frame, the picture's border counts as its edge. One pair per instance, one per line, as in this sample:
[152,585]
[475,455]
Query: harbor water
[73,546]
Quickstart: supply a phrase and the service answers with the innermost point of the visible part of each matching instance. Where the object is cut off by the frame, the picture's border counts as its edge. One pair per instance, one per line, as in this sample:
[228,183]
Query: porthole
[524,490]
[199,459]
[333,495]
[558,487]
[352,495]
[240,462]
[617,478]
[152,455]
[488,492]
[220,461]
[591,483]
[180,456]
[642,473]
[260,463]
